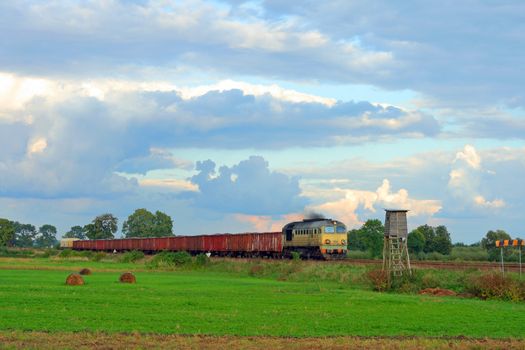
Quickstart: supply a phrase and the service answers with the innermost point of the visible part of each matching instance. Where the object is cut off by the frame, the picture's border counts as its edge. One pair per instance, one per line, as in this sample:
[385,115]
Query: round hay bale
[74,280]
[85,272]
[128,277]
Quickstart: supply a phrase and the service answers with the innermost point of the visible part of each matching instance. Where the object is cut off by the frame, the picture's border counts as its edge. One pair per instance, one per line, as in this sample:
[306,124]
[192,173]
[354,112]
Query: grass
[221,302]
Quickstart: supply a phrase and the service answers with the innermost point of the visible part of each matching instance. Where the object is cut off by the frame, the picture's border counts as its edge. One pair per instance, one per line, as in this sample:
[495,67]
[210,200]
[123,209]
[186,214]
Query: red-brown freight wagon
[243,244]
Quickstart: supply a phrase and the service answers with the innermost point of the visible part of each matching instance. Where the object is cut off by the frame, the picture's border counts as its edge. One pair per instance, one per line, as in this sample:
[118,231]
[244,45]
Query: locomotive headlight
[327,241]
[343,241]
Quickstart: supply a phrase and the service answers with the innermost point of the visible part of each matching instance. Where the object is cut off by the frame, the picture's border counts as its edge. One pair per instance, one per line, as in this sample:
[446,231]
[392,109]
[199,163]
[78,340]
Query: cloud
[346,208]
[249,187]
[273,90]
[261,223]
[79,139]
[120,36]
[400,46]
[37,146]
[495,125]
[465,180]
[470,156]
[156,159]
[462,63]
[481,201]
[175,185]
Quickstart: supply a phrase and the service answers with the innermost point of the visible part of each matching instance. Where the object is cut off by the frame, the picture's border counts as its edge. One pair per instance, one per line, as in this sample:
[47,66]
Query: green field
[33,297]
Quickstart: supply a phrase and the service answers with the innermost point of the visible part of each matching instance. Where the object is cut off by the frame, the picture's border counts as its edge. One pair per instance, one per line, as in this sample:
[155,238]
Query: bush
[379,279]
[202,260]
[167,258]
[98,256]
[181,258]
[66,253]
[496,286]
[86,254]
[15,253]
[132,256]
[407,283]
[428,280]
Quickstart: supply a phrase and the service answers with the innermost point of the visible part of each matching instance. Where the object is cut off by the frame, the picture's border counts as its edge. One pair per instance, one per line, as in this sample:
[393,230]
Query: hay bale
[127,277]
[74,280]
[85,272]
[440,292]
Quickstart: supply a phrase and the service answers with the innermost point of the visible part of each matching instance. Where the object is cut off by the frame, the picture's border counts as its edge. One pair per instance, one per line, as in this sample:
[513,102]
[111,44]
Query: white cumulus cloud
[383,197]
[465,179]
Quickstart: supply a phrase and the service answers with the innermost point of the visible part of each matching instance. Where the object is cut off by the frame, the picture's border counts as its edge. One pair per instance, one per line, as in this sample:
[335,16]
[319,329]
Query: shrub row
[487,285]
[171,259]
[132,256]
[496,286]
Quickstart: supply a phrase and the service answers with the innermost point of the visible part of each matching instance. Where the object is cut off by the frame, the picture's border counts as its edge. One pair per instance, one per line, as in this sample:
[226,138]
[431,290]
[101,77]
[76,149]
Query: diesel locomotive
[315,238]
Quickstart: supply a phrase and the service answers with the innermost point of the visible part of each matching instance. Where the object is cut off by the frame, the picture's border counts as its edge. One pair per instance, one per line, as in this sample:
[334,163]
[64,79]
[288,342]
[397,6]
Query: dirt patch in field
[86,340]
[439,292]
[128,277]
[85,272]
[74,280]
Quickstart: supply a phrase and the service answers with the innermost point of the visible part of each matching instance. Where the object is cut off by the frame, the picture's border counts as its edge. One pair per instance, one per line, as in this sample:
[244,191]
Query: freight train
[311,238]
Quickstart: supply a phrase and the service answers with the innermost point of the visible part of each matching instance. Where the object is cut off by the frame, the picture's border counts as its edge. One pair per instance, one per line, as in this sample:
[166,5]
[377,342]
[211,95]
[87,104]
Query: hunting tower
[395,250]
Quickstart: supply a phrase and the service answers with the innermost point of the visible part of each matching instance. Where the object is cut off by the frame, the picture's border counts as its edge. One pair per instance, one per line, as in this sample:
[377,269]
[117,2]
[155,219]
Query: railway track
[452,265]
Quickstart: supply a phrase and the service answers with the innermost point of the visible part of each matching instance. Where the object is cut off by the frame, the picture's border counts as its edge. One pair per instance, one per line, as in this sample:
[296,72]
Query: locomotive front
[333,240]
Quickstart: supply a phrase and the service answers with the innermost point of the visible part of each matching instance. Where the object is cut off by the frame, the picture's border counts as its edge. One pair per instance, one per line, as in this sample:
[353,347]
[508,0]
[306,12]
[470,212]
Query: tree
[355,240]
[163,225]
[437,239]
[368,238]
[429,234]
[373,232]
[7,232]
[489,243]
[75,232]
[139,224]
[442,242]
[46,236]
[102,227]
[143,223]
[416,241]
[24,234]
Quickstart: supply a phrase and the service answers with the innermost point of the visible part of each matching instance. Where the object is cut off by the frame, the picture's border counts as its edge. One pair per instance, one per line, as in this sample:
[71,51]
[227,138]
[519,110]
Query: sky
[240,116]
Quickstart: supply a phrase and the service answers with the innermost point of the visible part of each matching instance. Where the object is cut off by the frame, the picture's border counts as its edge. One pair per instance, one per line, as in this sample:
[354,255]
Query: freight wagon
[243,244]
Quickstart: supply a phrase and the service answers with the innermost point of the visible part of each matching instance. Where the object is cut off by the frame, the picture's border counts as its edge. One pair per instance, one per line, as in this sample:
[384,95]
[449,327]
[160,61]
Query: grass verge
[84,340]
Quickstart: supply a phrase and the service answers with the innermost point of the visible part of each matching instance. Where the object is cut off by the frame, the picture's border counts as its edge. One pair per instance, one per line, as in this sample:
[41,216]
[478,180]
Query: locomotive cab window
[341,229]
[329,229]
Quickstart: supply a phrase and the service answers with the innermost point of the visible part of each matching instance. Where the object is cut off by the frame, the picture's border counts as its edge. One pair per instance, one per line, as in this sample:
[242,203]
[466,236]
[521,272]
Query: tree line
[14,233]
[422,240]
[142,223]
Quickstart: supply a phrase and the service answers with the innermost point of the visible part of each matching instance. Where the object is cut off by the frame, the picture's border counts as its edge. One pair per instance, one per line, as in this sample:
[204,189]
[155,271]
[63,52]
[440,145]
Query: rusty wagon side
[225,244]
